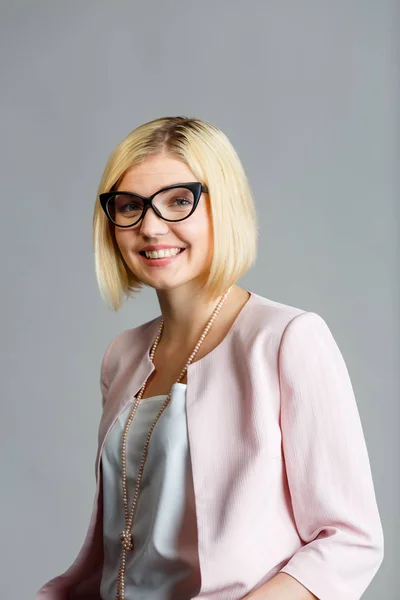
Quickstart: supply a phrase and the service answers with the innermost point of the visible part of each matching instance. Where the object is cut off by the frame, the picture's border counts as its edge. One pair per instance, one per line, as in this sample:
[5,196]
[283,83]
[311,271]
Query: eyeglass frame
[195,187]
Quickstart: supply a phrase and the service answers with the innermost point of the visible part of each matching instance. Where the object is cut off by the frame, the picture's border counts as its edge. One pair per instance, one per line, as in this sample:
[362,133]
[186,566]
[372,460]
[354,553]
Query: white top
[164,563]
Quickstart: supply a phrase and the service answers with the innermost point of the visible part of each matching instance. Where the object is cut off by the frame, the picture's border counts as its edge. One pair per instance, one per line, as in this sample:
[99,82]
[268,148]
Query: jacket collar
[128,384]
[140,367]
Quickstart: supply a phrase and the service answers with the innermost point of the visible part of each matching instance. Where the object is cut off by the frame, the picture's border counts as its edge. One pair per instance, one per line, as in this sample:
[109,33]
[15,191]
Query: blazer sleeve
[327,466]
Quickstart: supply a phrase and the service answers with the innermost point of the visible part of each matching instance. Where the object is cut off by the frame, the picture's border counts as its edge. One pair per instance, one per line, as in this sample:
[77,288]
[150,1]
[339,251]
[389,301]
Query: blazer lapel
[127,382]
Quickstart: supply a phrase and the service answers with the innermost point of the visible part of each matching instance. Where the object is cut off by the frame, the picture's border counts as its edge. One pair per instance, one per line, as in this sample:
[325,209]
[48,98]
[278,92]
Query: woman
[231,460]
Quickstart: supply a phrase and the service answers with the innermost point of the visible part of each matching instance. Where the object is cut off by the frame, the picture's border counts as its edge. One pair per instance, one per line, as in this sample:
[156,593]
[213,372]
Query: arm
[327,467]
[281,587]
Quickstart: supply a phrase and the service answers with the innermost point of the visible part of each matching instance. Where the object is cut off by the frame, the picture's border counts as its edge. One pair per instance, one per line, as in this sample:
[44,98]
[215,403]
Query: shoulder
[132,336]
[265,314]
[301,340]
[276,322]
[265,308]
[127,346]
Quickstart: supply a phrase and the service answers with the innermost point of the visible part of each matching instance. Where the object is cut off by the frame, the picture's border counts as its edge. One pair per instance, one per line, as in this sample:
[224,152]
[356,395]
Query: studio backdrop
[308,94]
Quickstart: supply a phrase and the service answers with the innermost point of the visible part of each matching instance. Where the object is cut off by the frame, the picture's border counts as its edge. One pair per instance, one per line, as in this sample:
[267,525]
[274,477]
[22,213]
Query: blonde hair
[213,160]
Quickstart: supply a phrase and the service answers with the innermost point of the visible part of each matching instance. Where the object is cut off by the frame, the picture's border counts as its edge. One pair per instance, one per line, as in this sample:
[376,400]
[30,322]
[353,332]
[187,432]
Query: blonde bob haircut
[213,160]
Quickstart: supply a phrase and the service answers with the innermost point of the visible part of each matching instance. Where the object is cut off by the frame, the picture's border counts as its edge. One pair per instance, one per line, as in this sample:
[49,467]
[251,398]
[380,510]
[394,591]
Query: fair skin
[184,306]
[179,285]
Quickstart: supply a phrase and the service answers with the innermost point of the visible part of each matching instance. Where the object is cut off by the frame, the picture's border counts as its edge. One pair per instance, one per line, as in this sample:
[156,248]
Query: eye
[127,204]
[129,207]
[181,201]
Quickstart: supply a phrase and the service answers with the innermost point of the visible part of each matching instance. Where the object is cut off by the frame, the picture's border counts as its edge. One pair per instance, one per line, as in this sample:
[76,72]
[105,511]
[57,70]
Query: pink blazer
[281,472]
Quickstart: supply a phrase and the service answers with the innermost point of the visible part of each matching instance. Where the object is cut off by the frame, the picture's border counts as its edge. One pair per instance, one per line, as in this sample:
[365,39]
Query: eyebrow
[165,187]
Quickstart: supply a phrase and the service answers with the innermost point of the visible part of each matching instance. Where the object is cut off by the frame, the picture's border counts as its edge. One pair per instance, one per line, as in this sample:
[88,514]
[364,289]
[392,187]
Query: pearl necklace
[126,535]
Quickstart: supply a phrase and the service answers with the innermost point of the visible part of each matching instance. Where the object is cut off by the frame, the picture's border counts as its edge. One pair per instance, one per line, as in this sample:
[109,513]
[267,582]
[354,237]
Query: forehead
[154,173]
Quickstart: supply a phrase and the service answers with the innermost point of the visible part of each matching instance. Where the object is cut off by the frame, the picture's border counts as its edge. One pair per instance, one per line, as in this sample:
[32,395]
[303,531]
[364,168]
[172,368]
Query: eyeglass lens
[173,204]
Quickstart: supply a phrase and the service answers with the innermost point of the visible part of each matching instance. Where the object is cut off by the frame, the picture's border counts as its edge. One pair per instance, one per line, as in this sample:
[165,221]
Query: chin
[172,283]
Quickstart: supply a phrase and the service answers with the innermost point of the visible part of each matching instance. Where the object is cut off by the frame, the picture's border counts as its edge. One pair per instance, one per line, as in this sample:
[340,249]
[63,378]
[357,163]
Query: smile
[161,257]
[162,253]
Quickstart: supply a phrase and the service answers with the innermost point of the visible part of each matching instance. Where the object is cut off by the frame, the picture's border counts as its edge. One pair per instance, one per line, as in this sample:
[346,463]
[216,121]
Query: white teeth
[162,253]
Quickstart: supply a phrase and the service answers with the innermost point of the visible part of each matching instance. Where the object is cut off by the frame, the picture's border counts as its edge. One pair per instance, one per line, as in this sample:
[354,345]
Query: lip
[161,262]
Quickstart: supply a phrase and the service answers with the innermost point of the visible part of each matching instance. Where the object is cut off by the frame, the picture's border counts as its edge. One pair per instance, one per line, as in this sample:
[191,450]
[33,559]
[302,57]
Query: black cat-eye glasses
[172,203]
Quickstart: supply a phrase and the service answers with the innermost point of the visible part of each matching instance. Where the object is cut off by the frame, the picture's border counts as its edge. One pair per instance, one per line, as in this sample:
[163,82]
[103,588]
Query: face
[194,234]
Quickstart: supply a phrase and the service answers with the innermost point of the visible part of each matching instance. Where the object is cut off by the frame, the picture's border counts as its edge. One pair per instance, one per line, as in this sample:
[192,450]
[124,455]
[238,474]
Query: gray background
[307,93]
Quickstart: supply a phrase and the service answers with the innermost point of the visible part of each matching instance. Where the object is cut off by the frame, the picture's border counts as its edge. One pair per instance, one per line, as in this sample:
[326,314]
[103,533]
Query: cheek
[118,243]
[122,241]
[201,229]
[123,248]
[198,237]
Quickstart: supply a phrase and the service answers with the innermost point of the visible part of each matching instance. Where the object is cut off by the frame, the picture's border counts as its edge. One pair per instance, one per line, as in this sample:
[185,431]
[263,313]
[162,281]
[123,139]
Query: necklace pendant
[126,541]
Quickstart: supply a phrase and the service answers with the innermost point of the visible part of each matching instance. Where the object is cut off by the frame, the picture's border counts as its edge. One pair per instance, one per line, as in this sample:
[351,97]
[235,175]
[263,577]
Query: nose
[152,225]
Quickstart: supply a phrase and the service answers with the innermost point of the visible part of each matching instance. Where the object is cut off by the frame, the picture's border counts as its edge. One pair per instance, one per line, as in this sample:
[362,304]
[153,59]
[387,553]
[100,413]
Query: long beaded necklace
[126,535]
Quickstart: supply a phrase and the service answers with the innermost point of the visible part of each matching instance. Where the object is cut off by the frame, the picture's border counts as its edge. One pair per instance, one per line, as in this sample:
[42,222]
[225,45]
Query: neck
[186,313]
